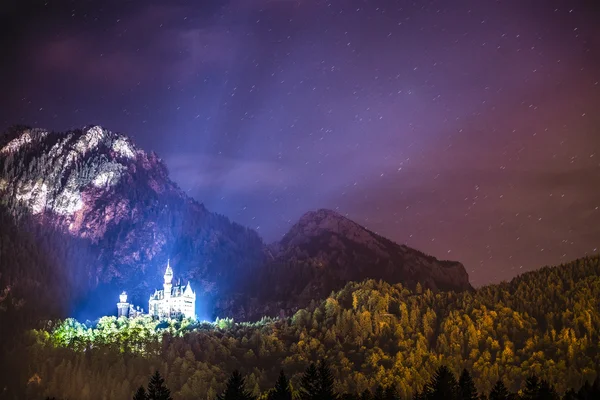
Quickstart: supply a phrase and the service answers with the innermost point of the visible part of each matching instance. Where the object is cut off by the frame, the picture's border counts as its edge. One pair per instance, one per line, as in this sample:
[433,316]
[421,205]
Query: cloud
[156,42]
[204,172]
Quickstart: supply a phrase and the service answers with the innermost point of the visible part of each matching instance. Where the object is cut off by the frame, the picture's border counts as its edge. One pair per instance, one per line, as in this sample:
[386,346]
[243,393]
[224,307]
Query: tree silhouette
[282,389]
[391,393]
[466,386]
[443,386]
[309,384]
[235,389]
[366,395]
[326,391]
[157,389]
[499,391]
[546,391]
[532,388]
[379,393]
[140,394]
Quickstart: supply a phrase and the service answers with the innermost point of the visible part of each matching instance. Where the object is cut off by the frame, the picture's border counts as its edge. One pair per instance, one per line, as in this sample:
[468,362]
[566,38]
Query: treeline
[317,383]
[545,323]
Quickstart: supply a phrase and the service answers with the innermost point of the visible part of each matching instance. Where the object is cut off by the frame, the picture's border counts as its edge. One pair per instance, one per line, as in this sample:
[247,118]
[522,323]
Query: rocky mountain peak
[322,221]
[66,174]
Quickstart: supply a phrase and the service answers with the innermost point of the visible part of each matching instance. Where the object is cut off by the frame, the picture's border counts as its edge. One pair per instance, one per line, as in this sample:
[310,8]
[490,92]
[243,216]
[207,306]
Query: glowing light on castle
[170,302]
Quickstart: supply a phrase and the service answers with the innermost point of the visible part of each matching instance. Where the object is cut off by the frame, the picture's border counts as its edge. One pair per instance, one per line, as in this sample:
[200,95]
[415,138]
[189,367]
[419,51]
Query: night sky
[467,129]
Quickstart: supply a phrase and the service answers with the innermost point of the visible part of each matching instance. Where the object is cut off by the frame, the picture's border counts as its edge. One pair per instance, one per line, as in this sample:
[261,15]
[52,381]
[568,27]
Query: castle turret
[168,279]
[123,305]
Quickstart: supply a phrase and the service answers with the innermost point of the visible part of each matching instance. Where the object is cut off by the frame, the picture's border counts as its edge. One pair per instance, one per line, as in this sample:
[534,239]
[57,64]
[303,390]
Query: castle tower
[168,279]
[123,306]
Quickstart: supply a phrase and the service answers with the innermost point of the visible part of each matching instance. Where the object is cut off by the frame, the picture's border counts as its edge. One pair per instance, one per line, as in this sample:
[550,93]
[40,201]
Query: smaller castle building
[126,309]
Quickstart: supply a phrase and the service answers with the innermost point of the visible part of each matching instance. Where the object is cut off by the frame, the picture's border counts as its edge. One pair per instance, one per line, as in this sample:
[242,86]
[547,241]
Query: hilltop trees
[371,333]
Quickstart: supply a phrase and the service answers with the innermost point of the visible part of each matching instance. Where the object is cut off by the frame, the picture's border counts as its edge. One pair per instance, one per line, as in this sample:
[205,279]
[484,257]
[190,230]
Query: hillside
[545,322]
[115,218]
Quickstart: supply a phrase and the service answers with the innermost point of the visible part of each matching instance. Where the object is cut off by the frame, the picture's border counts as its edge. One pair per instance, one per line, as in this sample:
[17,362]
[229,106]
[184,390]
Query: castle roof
[176,291]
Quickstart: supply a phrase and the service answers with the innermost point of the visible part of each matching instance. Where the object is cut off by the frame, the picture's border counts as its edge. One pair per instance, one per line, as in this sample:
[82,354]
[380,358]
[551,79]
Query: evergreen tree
[571,394]
[499,391]
[546,391]
[443,386]
[379,393]
[140,394]
[282,389]
[391,393]
[309,384]
[366,395]
[235,389]
[157,389]
[326,381]
[467,389]
[532,388]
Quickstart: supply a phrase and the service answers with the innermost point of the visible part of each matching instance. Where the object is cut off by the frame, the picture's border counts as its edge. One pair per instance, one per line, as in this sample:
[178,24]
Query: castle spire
[168,273]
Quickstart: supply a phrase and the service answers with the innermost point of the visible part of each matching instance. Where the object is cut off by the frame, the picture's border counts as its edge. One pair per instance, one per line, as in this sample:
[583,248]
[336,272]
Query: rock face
[330,241]
[95,185]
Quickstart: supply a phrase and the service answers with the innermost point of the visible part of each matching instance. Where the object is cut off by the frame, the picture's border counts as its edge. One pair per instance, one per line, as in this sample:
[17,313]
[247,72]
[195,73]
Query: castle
[170,302]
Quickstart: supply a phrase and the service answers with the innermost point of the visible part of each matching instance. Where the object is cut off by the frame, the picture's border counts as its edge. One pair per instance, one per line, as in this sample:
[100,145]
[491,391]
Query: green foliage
[371,333]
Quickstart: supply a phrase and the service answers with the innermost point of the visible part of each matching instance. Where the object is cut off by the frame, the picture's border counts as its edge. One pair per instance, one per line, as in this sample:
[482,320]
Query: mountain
[127,217]
[324,250]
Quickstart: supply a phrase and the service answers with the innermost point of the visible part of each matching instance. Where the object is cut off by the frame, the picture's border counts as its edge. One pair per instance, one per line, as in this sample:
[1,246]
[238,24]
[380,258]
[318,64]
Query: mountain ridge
[98,185]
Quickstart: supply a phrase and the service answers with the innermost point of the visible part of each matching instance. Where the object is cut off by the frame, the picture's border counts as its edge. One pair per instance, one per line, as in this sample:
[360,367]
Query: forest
[539,330]
[317,383]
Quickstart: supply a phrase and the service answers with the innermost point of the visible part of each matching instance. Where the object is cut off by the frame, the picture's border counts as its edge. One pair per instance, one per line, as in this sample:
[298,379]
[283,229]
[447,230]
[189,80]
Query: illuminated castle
[172,301]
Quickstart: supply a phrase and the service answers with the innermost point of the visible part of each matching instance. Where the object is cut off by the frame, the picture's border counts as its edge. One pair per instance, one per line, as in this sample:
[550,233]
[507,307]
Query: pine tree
[443,386]
[499,391]
[379,393]
[157,389]
[547,392]
[282,389]
[140,394]
[532,388]
[467,389]
[366,395]
[235,389]
[309,384]
[326,381]
[391,393]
